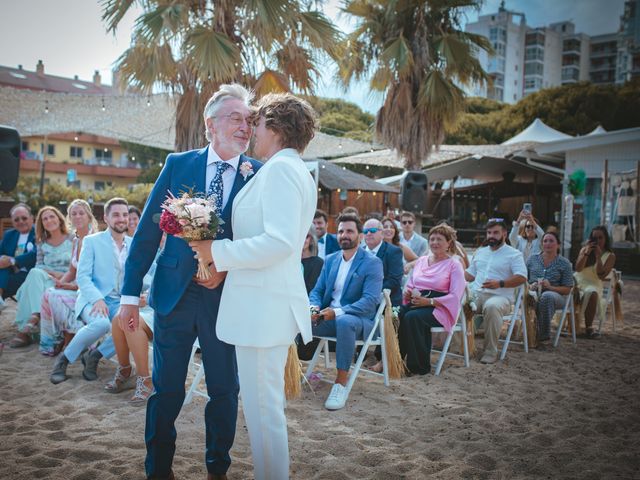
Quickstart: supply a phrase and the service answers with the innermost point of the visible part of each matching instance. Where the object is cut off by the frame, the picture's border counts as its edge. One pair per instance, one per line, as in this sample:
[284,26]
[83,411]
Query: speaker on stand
[414,192]
[9,158]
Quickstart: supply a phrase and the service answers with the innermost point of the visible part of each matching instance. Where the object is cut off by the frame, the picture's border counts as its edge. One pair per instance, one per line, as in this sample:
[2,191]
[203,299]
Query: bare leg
[138,342]
[342,377]
[590,312]
[120,343]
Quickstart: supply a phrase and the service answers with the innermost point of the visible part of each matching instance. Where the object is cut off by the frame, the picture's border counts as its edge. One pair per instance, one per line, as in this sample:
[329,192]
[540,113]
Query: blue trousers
[173,337]
[10,282]
[347,329]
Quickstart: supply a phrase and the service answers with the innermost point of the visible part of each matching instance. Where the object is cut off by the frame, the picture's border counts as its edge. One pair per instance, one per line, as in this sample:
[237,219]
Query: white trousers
[261,375]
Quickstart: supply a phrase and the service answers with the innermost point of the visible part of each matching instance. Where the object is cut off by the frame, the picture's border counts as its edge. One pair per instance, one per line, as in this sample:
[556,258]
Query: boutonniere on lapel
[246,170]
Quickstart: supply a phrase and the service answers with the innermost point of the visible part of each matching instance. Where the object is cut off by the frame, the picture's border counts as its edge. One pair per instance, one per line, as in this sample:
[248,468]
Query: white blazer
[264,301]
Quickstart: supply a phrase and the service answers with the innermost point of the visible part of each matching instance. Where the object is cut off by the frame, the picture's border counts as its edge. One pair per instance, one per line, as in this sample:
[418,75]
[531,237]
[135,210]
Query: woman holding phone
[595,261]
[526,234]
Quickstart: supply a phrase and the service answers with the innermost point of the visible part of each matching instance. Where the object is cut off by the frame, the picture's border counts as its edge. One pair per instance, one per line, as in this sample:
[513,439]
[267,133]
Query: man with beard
[345,299]
[100,276]
[495,271]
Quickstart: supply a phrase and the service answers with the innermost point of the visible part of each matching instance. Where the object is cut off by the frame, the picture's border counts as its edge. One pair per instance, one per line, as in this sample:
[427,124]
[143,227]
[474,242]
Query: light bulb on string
[104,108]
[46,106]
[148,101]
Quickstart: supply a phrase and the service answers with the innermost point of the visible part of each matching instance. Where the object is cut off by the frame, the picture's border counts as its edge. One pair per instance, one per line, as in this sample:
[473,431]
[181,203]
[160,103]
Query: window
[532,84]
[75,152]
[98,186]
[24,146]
[104,155]
[51,149]
[535,52]
[533,69]
[493,34]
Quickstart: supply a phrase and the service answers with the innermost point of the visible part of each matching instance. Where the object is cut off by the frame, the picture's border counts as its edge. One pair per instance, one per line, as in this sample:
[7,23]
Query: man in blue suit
[390,255]
[327,243]
[347,295]
[186,308]
[17,252]
[100,275]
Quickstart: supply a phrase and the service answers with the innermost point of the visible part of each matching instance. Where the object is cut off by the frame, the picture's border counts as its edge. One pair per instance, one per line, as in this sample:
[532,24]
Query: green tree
[144,155]
[415,52]
[191,47]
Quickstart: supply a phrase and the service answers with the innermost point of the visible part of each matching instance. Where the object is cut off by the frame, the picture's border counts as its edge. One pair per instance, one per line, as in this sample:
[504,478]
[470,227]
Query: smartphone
[526,207]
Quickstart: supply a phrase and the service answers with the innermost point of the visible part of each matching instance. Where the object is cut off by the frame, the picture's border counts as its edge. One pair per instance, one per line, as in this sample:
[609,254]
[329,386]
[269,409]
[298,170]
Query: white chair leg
[443,354]
[353,374]
[314,359]
[194,385]
[573,322]
[503,352]
[465,341]
[525,339]
[385,362]
[327,354]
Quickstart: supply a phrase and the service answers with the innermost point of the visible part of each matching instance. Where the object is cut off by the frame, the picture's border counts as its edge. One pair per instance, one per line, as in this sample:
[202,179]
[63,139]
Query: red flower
[169,223]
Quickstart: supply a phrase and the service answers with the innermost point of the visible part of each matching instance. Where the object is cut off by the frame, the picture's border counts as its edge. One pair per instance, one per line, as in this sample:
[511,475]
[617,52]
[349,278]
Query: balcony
[30,165]
[571,46]
[570,75]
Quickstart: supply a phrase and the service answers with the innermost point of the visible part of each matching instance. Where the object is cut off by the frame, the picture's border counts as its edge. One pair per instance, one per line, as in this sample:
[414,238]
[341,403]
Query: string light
[148,101]
[374,194]
[46,106]
[75,139]
[104,108]
[338,190]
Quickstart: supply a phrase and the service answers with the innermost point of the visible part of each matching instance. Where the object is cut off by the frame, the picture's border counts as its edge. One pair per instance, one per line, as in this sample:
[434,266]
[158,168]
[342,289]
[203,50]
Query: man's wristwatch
[12,261]
[501,283]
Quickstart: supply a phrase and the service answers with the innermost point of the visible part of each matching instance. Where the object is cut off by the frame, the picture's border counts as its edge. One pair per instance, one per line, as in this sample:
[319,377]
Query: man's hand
[491,284]
[328,313]
[5,261]
[100,308]
[129,317]
[545,284]
[202,249]
[216,278]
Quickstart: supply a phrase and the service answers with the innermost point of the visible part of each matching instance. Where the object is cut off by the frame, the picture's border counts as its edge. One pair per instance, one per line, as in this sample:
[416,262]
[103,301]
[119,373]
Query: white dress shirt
[338,286]
[498,265]
[120,258]
[373,252]
[322,246]
[228,177]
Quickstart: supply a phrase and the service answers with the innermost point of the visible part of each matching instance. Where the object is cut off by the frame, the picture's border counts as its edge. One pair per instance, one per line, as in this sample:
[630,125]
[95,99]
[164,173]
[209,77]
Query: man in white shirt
[495,271]
[389,254]
[416,242]
[346,296]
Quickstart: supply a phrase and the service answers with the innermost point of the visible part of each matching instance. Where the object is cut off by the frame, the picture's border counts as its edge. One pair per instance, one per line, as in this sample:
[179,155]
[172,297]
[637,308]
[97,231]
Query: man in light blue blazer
[100,277]
[187,308]
[347,294]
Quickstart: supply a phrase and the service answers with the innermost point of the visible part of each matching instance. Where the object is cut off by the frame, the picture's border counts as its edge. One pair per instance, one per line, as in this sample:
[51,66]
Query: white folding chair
[607,294]
[460,326]
[198,369]
[517,315]
[376,337]
[567,309]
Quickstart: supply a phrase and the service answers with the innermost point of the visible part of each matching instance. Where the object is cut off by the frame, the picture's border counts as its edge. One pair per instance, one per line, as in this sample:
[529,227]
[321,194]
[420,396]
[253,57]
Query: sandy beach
[568,413]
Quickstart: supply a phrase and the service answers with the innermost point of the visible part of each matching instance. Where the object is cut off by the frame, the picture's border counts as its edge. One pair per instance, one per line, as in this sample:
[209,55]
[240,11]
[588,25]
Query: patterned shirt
[558,272]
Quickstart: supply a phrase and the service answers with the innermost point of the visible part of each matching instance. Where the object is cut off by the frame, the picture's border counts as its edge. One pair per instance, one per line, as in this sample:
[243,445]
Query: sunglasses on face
[370,230]
[20,219]
[407,222]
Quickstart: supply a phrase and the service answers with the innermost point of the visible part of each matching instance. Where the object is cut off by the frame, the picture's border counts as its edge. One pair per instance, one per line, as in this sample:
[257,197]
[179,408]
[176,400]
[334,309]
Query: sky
[70,38]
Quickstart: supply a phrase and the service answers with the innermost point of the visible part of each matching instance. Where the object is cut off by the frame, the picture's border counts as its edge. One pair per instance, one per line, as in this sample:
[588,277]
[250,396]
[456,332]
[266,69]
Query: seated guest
[17,252]
[350,211]
[526,235]
[346,295]
[390,255]
[53,259]
[416,242]
[311,262]
[100,276]
[551,275]
[432,298]
[495,271]
[595,261]
[134,219]
[391,234]
[58,321]
[327,243]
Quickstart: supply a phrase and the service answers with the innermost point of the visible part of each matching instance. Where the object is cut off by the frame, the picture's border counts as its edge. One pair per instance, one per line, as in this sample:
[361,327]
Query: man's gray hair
[225,92]
[20,205]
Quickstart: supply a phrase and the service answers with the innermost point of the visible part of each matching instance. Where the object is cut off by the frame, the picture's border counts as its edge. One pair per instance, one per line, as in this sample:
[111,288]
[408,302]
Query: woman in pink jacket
[432,298]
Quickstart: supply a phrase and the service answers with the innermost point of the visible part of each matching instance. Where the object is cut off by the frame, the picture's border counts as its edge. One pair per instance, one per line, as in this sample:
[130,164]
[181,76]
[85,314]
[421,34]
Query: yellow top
[588,277]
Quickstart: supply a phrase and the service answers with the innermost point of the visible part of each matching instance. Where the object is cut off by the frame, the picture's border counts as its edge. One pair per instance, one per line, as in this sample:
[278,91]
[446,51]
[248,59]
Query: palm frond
[398,54]
[320,32]
[212,54]
[143,65]
[270,81]
[113,11]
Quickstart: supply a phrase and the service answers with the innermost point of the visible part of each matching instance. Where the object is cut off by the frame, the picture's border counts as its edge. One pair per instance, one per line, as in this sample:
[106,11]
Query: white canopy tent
[538,132]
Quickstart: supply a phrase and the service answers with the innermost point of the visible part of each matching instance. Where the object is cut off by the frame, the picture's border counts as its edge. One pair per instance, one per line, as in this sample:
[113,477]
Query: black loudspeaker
[9,158]
[414,192]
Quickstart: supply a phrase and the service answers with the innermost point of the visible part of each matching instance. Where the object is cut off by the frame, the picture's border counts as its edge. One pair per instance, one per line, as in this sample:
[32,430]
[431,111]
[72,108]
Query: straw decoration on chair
[395,364]
[292,374]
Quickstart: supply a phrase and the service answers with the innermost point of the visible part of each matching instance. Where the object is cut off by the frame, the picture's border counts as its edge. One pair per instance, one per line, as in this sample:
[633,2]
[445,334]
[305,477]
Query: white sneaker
[337,397]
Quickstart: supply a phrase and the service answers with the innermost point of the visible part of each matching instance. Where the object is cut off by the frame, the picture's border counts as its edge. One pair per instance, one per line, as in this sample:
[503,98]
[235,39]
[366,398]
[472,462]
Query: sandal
[33,325]
[120,383]
[142,392]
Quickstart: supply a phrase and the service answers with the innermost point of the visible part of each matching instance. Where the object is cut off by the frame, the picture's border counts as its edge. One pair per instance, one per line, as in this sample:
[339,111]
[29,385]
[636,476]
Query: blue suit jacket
[175,265]
[9,244]
[393,269]
[362,287]
[331,245]
[96,275]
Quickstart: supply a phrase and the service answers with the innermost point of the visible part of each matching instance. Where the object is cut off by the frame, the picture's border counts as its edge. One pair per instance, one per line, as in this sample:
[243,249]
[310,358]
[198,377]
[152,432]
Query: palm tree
[415,52]
[190,47]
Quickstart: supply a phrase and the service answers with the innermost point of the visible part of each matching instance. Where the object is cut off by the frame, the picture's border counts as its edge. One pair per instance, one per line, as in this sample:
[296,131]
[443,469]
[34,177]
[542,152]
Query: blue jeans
[347,329]
[96,327]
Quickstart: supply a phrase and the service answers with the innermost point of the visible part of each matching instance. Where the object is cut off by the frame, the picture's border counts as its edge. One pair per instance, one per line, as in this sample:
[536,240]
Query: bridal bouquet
[191,217]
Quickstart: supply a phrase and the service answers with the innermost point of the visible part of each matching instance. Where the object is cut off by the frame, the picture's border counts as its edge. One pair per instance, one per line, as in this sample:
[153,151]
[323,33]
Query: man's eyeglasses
[236,119]
[370,230]
[20,219]
[407,222]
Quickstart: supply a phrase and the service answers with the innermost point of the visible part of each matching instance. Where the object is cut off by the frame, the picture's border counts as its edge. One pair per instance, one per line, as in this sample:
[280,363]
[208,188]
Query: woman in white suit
[264,303]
